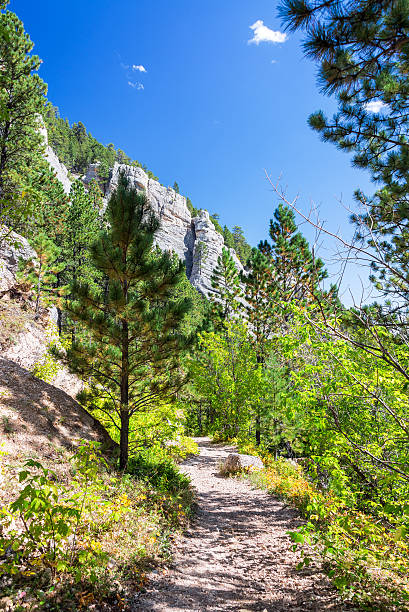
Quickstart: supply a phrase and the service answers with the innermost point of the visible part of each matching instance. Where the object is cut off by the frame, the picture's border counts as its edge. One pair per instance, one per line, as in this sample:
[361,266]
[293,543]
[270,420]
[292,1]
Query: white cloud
[374,106]
[263,34]
[138,86]
[139,68]
[273,61]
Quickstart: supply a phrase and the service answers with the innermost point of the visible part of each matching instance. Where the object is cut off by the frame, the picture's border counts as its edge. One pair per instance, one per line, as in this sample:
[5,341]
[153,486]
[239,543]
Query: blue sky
[214,110]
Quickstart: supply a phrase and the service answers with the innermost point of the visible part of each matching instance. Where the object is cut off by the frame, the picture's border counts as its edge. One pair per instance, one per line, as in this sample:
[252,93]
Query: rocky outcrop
[12,249]
[176,231]
[207,248]
[91,174]
[195,241]
[60,170]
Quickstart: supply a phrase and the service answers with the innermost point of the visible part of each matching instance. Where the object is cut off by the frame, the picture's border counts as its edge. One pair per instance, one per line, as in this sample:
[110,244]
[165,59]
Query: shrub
[160,472]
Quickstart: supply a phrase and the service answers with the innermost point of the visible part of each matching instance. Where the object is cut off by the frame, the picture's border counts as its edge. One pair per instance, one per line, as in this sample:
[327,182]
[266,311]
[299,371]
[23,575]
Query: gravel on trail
[236,555]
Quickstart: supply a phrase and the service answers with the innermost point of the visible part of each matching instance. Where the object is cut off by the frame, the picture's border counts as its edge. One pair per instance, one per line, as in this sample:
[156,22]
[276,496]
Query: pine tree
[240,245]
[228,238]
[297,274]
[130,352]
[200,254]
[176,187]
[226,284]
[53,209]
[83,224]
[279,273]
[95,194]
[363,58]
[261,311]
[41,272]
[21,100]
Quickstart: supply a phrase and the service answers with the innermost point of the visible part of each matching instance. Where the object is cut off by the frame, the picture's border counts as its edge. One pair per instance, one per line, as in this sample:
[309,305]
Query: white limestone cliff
[60,170]
[178,231]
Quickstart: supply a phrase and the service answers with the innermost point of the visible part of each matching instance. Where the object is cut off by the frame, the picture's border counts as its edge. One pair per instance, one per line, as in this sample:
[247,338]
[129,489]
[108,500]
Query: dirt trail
[236,555]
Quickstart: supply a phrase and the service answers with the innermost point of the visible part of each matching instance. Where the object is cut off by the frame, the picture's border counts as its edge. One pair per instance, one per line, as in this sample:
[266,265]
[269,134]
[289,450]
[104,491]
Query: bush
[160,472]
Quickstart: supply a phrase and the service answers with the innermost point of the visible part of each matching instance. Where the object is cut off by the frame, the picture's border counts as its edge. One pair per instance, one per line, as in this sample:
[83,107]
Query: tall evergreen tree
[297,273]
[83,224]
[21,101]
[261,312]
[53,208]
[362,50]
[200,254]
[41,272]
[225,281]
[240,245]
[279,272]
[130,354]
[228,238]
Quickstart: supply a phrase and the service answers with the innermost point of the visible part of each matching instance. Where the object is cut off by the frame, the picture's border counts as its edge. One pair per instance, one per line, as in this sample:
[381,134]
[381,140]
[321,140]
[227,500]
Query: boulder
[236,463]
[231,465]
[12,249]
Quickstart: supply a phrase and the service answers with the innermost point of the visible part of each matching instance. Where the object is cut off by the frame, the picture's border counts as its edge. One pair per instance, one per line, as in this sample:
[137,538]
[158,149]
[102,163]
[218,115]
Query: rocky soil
[237,555]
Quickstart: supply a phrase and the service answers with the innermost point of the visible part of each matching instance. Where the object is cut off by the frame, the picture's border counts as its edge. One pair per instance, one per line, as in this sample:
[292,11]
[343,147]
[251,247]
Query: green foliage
[49,365]
[296,272]
[159,471]
[225,281]
[66,546]
[231,383]
[83,224]
[200,255]
[194,211]
[50,515]
[240,245]
[228,238]
[21,100]
[42,271]
[353,406]
[362,53]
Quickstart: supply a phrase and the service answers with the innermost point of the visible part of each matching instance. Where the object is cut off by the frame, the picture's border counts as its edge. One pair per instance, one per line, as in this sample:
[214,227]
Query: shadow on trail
[237,555]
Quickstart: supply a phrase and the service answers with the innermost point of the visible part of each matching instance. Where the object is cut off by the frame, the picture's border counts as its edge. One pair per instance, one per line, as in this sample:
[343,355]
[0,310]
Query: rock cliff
[59,168]
[194,240]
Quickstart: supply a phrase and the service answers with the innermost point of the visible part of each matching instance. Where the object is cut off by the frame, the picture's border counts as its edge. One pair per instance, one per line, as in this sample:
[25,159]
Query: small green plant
[48,366]
[158,470]
[7,425]
[350,542]
[41,527]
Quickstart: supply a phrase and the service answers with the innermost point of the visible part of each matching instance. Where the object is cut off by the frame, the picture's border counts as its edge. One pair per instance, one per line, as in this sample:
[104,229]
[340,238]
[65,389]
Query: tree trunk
[37,308]
[59,321]
[124,440]
[258,430]
[260,360]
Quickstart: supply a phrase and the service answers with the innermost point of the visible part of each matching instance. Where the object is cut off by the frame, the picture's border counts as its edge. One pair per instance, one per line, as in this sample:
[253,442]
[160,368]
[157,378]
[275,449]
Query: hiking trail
[236,556]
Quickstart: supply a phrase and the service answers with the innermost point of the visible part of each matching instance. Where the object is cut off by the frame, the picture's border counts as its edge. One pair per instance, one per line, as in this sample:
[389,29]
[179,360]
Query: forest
[272,362]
